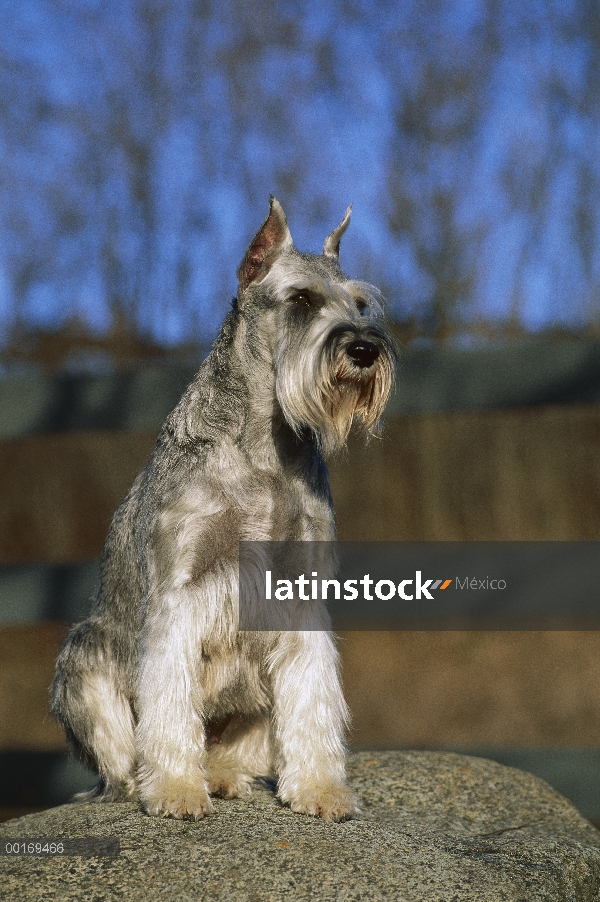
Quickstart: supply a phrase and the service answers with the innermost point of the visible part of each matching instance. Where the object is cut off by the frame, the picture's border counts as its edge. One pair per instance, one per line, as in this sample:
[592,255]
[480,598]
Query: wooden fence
[531,472]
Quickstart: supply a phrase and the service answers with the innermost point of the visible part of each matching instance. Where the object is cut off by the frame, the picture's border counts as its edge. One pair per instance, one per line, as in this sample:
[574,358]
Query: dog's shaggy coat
[158,690]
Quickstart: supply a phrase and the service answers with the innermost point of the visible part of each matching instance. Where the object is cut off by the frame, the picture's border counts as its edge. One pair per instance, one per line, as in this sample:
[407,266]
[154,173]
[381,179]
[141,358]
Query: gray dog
[159,691]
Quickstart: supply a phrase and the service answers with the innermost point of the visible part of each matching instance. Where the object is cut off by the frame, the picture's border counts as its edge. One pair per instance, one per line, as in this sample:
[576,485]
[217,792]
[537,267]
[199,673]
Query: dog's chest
[286,507]
[269,498]
[233,678]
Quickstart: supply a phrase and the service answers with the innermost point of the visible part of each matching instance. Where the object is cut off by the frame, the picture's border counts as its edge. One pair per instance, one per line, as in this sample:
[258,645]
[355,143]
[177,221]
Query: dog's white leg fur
[169,736]
[310,716]
[113,735]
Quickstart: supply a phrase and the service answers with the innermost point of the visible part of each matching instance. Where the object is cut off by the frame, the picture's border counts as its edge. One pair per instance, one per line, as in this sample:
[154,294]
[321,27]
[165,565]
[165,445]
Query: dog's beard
[327,393]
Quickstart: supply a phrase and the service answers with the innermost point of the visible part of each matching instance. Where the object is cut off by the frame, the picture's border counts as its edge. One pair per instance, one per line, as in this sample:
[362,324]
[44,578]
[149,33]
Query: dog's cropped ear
[272,238]
[331,248]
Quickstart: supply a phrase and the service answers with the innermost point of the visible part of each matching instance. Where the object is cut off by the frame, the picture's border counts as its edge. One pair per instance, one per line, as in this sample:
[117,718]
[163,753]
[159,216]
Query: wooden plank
[473,689]
[497,474]
[526,474]
[60,491]
[404,689]
[27,659]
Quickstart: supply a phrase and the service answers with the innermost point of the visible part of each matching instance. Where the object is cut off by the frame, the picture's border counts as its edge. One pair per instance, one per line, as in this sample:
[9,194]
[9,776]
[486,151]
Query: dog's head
[333,359]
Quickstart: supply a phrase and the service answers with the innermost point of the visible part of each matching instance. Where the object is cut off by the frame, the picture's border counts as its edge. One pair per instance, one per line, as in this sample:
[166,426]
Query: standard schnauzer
[159,691]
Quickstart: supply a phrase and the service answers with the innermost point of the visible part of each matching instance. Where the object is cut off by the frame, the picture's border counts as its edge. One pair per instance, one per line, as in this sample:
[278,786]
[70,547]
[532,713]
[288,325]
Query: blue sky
[140,142]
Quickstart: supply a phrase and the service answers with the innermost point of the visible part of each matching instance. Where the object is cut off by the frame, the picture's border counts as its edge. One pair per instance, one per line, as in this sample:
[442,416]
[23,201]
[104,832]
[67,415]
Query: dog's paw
[333,802]
[181,799]
[228,783]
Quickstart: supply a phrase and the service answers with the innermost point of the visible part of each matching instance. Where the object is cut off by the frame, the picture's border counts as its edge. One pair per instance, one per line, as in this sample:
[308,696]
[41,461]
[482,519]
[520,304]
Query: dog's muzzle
[363,353]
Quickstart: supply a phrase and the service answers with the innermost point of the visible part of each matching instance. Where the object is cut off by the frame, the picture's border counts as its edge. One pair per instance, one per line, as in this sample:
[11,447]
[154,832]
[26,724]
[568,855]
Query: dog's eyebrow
[314,287]
[357,289]
[357,293]
[364,291]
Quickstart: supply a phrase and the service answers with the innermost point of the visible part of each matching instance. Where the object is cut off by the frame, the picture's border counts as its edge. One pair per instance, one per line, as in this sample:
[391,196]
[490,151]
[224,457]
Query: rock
[434,826]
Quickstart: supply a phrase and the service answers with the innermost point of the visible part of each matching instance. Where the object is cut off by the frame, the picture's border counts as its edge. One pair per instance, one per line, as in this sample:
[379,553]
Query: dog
[159,691]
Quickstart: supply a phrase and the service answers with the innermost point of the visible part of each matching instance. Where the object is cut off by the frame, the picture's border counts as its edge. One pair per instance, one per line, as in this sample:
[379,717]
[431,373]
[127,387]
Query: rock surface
[434,826]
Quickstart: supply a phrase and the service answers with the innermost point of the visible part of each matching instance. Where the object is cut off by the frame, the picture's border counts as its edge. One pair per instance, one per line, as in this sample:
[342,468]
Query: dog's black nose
[363,353]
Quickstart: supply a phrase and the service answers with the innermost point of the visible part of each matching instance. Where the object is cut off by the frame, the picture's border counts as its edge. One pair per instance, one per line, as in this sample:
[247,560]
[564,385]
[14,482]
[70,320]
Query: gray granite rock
[434,826]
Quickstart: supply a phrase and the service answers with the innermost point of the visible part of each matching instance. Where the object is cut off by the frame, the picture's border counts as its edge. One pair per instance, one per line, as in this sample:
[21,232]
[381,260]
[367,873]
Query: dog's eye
[303,299]
[362,307]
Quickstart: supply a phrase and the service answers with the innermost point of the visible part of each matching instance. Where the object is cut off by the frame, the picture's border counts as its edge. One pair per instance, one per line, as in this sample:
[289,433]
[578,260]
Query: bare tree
[139,140]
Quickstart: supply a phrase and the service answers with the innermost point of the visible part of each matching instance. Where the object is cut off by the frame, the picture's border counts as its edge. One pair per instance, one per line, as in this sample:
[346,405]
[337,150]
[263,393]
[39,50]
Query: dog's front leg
[310,716]
[170,738]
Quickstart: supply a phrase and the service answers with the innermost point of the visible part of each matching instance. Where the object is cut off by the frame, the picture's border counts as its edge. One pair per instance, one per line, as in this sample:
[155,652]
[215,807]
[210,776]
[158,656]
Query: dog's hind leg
[238,755]
[95,712]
